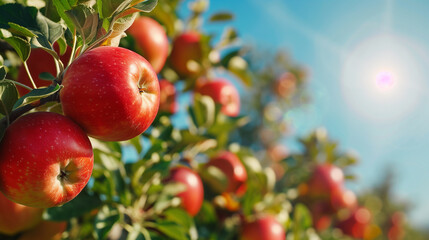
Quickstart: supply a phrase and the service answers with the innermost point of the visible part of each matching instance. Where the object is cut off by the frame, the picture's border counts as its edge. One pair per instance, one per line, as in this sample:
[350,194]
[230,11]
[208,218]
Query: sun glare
[382,77]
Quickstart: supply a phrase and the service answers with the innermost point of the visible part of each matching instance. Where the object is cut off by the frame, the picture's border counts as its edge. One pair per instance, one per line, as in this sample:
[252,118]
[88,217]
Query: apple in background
[151,41]
[192,198]
[38,62]
[186,54]
[356,224]
[168,102]
[233,169]
[285,85]
[45,230]
[45,160]
[325,180]
[15,217]
[343,199]
[111,92]
[263,228]
[224,93]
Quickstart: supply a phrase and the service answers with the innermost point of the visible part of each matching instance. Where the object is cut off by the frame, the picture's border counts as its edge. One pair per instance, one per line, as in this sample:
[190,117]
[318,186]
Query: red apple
[356,224]
[223,93]
[111,92]
[233,169]
[45,230]
[15,217]
[45,160]
[38,62]
[325,179]
[168,101]
[192,198]
[186,54]
[285,85]
[263,228]
[343,199]
[321,214]
[151,41]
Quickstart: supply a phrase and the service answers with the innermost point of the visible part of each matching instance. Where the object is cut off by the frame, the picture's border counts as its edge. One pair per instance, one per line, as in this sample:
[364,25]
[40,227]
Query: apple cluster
[109,93]
[331,203]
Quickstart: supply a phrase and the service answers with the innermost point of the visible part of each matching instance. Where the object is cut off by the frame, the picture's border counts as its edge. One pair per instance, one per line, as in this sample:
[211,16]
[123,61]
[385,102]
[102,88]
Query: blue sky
[347,45]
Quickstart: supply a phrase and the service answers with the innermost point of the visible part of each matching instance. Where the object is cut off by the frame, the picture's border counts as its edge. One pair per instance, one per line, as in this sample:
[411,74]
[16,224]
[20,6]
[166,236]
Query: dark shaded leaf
[80,205]
[105,220]
[146,6]
[221,16]
[8,97]
[36,94]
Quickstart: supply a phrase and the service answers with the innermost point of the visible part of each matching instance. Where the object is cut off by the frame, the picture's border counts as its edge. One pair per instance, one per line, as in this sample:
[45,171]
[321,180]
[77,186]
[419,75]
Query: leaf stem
[19,84]
[73,49]
[29,75]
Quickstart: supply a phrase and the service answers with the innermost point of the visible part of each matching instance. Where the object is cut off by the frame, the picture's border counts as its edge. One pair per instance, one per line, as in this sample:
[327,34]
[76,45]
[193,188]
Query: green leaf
[29,18]
[86,21]
[62,6]
[46,76]
[8,97]
[106,8]
[36,94]
[171,230]
[302,219]
[80,205]
[221,16]
[146,6]
[105,220]
[21,46]
[203,111]
[179,216]
[20,30]
[2,73]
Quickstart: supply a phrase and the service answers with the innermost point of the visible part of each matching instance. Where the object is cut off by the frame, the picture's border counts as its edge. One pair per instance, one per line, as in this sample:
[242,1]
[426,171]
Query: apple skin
[263,228]
[38,62]
[45,160]
[168,102]
[233,169]
[223,93]
[151,41]
[15,217]
[356,224]
[192,198]
[45,230]
[186,47]
[325,180]
[111,92]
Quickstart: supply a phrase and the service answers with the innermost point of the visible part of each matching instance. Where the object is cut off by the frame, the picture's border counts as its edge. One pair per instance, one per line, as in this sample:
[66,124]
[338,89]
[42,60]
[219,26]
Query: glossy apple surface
[111,92]
[223,93]
[38,62]
[151,41]
[192,198]
[186,54]
[325,179]
[263,228]
[45,230]
[45,160]
[168,102]
[15,217]
[233,169]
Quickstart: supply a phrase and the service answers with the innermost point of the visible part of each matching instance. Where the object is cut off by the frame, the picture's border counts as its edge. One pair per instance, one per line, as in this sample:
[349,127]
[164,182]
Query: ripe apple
[233,169]
[151,41]
[343,199]
[325,179]
[223,93]
[111,92]
[356,224]
[45,230]
[263,228]
[15,217]
[285,85]
[192,198]
[38,62]
[45,160]
[168,101]
[186,54]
